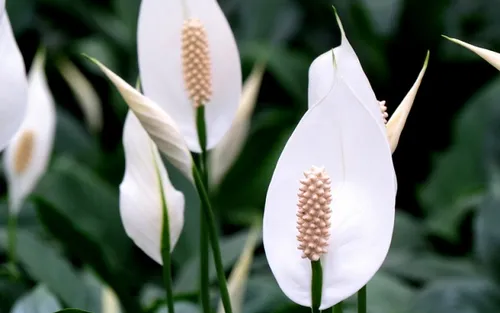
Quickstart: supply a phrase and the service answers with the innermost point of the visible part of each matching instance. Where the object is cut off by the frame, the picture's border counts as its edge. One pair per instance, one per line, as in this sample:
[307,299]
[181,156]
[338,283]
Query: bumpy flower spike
[383,110]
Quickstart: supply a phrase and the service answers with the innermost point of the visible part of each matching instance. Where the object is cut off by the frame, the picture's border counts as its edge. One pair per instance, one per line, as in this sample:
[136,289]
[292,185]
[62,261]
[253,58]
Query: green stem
[337,308]
[214,240]
[204,243]
[165,248]
[362,300]
[316,285]
[11,231]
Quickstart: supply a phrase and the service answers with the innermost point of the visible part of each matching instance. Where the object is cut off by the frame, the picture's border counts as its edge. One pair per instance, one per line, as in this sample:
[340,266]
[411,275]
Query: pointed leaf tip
[398,119]
[489,56]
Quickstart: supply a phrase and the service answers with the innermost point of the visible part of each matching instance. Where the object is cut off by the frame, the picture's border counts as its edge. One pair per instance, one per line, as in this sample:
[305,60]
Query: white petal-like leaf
[398,119]
[27,156]
[85,94]
[160,63]
[14,90]
[489,56]
[229,148]
[141,191]
[238,279]
[160,126]
[340,134]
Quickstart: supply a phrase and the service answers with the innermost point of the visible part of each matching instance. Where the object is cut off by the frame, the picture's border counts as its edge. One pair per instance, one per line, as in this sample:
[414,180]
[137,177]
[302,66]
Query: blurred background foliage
[445,254]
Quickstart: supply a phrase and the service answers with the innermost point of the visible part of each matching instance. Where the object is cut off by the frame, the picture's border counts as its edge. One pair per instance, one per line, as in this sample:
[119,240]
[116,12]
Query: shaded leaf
[39,300]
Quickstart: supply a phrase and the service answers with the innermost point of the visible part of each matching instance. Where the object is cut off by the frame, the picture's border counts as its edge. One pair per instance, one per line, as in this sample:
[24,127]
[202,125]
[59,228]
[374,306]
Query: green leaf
[459,295]
[449,194]
[21,14]
[487,235]
[384,14]
[231,247]
[181,307]
[409,233]
[263,295]
[45,264]
[71,195]
[387,294]
[39,300]
[72,311]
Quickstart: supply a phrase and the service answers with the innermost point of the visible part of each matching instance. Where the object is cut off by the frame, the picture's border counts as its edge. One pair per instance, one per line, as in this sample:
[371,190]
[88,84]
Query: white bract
[164,55]
[489,56]
[159,125]
[144,188]
[350,71]
[28,154]
[343,139]
[14,91]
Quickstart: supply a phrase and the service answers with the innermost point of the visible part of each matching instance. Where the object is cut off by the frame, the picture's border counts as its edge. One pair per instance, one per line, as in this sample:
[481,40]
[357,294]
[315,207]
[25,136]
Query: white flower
[144,188]
[350,70]
[332,195]
[228,149]
[489,56]
[14,91]
[28,154]
[188,57]
[160,126]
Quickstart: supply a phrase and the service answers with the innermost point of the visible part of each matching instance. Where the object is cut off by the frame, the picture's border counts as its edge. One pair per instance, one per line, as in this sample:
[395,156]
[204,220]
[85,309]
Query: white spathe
[342,132]
[349,70]
[162,129]
[160,64]
[14,91]
[222,157]
[32,144]
[489,56]
[144,184]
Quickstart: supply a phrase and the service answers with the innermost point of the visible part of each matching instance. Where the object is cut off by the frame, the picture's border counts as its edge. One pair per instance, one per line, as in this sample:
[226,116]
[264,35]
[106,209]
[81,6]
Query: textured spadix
[14,90]
[28,154]
[162,129]
[162,64]
[145,180]
[344,133]
[489,56]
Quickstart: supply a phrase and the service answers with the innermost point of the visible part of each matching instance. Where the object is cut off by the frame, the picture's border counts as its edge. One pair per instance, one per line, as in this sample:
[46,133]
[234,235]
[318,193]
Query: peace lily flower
[28,154]
[188,58]
[489,56]
[144,188]
[332,195]
[349,68]
[14,91]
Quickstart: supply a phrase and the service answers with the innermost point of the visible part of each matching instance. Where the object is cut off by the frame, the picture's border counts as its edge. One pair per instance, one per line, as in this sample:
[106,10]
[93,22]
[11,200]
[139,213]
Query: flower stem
[11,231]
[214,240]
[316,285]
[337,308]
[165,248]
[204,244]
[362,300]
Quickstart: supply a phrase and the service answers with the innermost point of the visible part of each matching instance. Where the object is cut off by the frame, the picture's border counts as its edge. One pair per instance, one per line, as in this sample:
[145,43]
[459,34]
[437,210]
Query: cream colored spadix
[144,184]
[171,78]
[85,94]
[14,90]
[489,56]
[344,133]
[397,121]
[162,129]
[28,154]
[228,149]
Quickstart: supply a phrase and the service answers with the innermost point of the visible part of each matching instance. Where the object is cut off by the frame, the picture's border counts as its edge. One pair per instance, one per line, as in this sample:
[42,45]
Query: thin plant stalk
[362,300]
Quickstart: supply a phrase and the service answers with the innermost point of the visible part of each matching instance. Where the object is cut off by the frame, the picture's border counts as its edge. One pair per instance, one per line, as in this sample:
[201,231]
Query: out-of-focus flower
[229,148]
[85,94]
[188,58]
[145,189]
[350,70]
[489,56]
[14,91]
[28,154]
[332,194]
[159,125]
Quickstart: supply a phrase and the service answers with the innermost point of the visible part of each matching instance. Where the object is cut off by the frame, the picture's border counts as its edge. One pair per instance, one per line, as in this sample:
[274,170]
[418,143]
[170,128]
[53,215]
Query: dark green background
[445,255]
